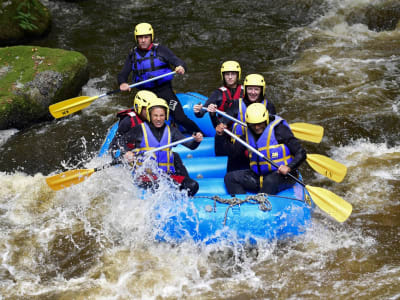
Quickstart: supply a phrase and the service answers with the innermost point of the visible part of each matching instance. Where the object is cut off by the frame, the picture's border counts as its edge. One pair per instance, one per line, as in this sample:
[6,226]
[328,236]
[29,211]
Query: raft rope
[261,199]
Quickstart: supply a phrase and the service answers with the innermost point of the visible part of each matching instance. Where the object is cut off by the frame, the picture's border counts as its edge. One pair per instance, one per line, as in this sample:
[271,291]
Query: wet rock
[32,78]
[379,17]
[22,20]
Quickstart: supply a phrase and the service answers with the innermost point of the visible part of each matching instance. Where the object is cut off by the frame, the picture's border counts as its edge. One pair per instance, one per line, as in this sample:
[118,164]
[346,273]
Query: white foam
[6,134]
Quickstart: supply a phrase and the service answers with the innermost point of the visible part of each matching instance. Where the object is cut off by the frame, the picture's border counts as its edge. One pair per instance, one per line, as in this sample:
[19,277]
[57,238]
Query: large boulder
[21,20]
[32,78]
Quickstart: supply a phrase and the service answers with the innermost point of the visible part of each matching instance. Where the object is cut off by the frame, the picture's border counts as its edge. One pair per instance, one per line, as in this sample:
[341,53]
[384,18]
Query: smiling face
[253,92]
[157,115]
[231,79]
[144,41]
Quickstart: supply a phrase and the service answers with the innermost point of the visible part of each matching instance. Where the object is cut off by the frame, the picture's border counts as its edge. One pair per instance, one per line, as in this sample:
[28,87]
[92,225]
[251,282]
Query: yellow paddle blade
[67,107]
[330,203]
[66,179]
[327,167]
[307,132]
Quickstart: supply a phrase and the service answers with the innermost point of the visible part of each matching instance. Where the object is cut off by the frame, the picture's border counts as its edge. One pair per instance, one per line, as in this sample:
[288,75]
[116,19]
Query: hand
[212,108]
[220,128]
[129,156]
[284,170]
[180,70]
[197,108]
[124,87]
[198,137]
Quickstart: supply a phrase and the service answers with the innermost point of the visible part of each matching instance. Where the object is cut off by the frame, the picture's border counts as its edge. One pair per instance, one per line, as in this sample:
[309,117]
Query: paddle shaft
[260,154]
[138,83]
[188,139]
[224,114]
[147,152]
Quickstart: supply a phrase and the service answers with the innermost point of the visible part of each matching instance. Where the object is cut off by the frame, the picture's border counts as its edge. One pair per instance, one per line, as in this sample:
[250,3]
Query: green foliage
[25,14]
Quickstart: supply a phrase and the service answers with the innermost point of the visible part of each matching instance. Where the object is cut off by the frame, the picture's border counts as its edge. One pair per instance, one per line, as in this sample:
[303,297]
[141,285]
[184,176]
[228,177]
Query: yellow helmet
[143,99]
[254,80]
[158,102]
[231,66]
[144,29]
[257,113]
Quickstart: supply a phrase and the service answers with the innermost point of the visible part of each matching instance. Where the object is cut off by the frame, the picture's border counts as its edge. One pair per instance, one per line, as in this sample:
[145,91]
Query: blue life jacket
[165,157]
[149,66]
[241,116]
[269,147]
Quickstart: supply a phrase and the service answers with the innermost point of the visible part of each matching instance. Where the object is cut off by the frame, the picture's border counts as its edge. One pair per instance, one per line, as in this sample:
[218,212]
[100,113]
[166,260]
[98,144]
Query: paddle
[303,131]
[70,106]
[68,178]
[327,201]
[320,163]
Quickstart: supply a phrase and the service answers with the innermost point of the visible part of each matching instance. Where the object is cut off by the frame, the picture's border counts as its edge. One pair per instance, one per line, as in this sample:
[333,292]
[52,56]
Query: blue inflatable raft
[213,215]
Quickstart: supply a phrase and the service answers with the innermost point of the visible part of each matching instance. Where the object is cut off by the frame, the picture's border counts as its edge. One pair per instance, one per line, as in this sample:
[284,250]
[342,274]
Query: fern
[24,15]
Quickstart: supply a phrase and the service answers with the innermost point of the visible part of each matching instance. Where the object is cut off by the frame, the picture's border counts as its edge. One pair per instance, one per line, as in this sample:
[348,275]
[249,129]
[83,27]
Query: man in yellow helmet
[223,97]
[148,60]
[129,118]
[270,135]
[154,133]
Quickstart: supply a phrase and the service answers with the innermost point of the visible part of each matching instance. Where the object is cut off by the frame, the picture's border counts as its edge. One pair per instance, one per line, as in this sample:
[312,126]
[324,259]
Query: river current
[335,63]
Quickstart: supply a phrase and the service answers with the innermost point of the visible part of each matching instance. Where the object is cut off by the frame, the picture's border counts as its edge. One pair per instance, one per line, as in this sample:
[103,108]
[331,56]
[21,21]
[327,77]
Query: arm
[133,136]
[213,99]
[285,136]
[223,145]
[126,70]
[176,135]
[170,57]
[123,127]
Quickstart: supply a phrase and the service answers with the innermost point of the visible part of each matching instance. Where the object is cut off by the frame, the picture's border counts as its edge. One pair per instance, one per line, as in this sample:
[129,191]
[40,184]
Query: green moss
[20,64]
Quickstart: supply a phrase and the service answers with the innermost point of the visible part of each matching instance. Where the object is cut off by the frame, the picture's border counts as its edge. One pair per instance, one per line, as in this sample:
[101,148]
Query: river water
[335,63]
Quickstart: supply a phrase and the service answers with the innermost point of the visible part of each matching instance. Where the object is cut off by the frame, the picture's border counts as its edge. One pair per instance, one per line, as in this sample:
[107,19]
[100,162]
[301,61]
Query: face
[258,128]
[253,92]
[230,79]
[157,116]
[143,114]
[144,41]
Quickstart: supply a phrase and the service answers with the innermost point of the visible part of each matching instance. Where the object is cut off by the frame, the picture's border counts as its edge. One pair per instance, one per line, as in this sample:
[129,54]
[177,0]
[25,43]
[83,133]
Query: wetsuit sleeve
[223,146]
[133,136]
[170,57]
[213,99]
[123,76]
[123,127]
[176,135]
[285,136]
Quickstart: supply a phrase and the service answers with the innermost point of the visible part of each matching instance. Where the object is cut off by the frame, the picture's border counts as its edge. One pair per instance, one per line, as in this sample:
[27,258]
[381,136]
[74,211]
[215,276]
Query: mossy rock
[21,20]
[32,78]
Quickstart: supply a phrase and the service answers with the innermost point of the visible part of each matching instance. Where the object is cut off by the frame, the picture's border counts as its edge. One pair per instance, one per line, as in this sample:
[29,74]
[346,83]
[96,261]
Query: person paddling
[223,97]
[129,118]
[148,60]
[270,135]
[153,133]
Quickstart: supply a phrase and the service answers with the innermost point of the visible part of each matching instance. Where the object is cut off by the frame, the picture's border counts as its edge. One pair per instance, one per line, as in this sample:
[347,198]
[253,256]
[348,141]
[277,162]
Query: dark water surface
[327,62]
